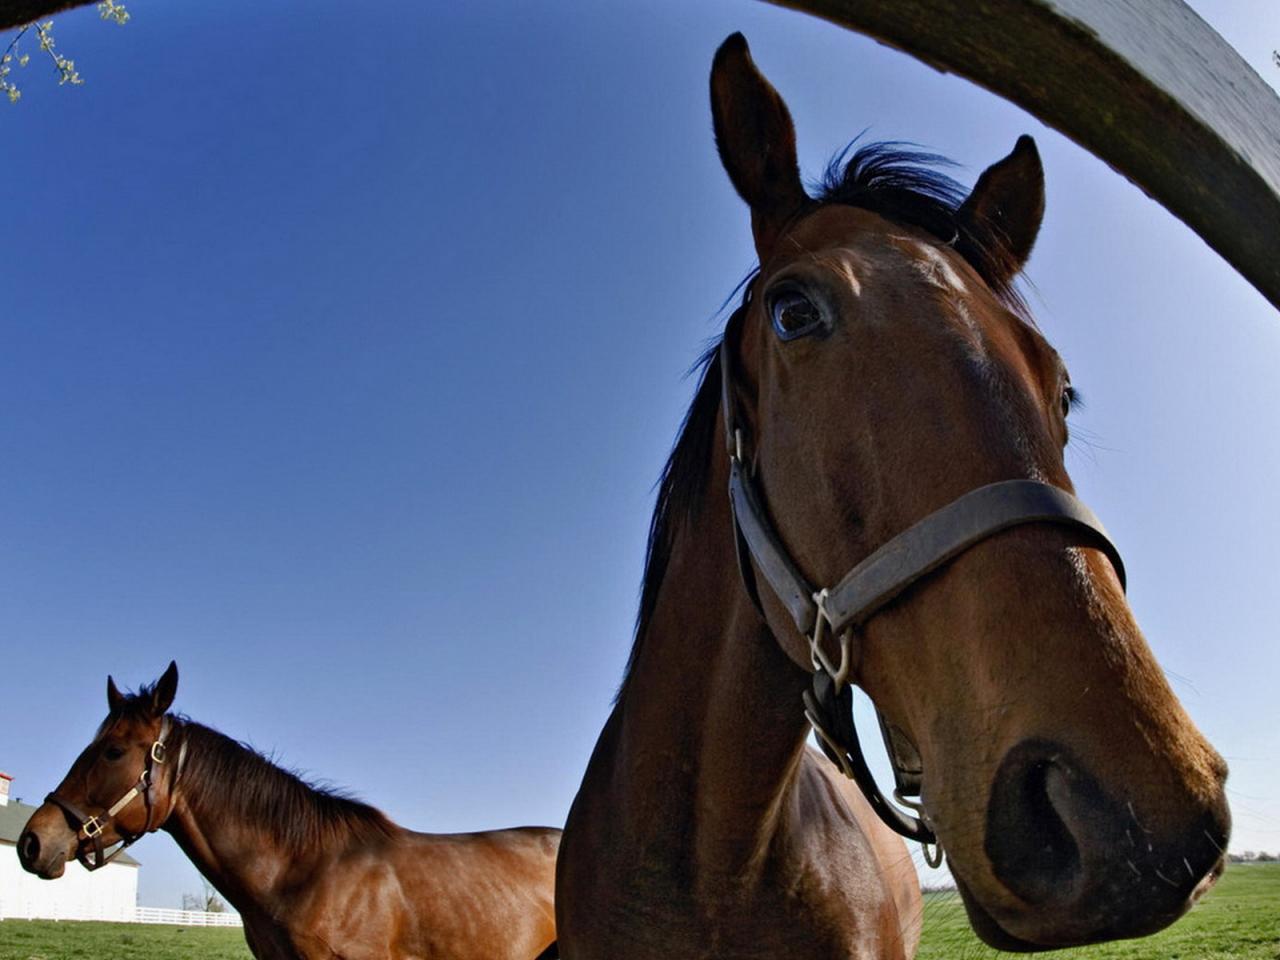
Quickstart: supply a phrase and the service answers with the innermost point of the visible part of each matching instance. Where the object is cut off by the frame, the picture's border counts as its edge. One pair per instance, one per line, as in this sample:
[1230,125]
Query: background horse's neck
[254,830]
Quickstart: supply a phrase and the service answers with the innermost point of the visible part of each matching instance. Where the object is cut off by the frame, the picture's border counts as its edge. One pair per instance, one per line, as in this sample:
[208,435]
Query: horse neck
[241,856]
[709,721]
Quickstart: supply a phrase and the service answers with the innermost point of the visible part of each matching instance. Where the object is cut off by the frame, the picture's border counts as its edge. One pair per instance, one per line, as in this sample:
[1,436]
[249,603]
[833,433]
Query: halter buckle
[92,827]
[157,751]
[839,674]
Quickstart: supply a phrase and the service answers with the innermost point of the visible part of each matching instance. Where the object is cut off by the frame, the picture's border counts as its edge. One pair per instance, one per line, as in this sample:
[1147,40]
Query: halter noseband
[92,827]
[873,583]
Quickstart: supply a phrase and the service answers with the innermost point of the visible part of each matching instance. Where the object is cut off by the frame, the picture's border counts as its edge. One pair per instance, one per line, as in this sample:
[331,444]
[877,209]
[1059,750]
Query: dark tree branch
[15,13]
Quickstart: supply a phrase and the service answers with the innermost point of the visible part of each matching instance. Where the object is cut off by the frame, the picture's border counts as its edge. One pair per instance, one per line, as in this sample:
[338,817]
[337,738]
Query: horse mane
[249,787]
[302,814]
[891,179]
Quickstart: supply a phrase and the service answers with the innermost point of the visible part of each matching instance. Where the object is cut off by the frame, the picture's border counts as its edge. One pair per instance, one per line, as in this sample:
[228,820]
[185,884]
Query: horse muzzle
[41,853]
[1084,865]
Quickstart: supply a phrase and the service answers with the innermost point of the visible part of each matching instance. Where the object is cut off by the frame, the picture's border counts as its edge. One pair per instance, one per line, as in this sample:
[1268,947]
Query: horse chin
[52,871]
[990,931]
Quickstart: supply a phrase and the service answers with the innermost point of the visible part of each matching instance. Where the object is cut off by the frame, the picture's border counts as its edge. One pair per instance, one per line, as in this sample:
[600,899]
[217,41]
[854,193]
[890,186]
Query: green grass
[1238,920]
[70,940]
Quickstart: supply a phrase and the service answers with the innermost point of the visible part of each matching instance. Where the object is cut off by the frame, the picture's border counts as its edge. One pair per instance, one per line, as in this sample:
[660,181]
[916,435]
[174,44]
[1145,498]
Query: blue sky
[339,355]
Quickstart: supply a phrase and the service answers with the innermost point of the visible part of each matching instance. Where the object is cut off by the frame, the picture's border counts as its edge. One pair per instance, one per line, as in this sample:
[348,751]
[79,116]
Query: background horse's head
[122,756]
[885,368]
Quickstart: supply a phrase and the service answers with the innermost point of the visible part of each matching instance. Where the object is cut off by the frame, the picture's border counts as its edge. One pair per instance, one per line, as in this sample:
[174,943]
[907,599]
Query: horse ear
[166,689]
[1001,217]
[114,696]
[757,141]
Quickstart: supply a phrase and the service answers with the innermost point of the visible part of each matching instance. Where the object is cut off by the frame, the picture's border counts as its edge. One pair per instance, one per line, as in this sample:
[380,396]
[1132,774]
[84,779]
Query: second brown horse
[313,874]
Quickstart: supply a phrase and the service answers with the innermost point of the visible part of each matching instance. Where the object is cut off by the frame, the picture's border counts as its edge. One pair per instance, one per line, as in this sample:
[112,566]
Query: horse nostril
[1037,804]
[28,848]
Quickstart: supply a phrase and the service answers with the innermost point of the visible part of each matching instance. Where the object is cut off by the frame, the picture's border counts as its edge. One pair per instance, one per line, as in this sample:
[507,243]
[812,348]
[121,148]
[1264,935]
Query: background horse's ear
[166,689]
[1001,217]
[757,141]
[114,696]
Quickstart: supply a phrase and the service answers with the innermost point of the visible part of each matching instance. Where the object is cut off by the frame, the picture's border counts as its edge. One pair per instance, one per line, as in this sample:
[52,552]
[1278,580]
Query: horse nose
[28,849]
[1057,839]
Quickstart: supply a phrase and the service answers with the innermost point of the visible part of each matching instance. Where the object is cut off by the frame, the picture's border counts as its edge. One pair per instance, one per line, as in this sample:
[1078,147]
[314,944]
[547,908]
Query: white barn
[110,893]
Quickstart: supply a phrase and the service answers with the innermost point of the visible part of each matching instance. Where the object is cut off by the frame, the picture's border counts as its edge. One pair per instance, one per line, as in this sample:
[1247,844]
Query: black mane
[891,179]
[302,815]
[250,788]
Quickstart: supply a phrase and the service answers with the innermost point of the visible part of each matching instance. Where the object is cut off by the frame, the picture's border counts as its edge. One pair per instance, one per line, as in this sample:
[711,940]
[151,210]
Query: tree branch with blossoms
[67,73]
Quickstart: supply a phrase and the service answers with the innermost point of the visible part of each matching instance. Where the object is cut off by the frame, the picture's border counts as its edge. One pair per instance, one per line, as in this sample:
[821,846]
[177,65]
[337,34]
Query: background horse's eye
[113,753]
[794,315]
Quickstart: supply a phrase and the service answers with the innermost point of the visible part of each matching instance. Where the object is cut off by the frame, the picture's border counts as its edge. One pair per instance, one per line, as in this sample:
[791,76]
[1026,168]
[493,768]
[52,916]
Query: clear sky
[340,348]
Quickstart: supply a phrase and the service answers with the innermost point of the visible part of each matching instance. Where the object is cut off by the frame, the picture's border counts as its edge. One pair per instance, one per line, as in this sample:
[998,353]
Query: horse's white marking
[843,269]
[935,268]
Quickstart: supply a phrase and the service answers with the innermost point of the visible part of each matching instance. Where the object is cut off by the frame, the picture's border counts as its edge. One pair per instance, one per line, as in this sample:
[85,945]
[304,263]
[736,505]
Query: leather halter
[873,583]
[91,828]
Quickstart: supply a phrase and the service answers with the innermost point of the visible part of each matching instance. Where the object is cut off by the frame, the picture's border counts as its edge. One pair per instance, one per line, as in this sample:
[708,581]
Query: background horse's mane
[250,788]
[891,179]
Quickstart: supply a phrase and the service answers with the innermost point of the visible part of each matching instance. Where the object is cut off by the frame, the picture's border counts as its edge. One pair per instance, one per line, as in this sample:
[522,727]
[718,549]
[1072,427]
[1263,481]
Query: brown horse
[313,874]
[881,384]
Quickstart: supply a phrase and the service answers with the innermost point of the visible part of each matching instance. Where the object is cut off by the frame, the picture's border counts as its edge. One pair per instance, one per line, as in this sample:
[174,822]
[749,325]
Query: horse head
[883,368]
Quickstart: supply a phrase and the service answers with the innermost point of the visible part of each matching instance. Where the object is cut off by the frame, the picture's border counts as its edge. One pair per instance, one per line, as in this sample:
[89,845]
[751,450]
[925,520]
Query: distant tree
[1265,857]
[206,901]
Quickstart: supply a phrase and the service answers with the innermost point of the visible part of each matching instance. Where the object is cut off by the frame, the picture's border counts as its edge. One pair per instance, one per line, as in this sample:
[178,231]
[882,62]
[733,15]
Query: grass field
[1239,920]
[47,940]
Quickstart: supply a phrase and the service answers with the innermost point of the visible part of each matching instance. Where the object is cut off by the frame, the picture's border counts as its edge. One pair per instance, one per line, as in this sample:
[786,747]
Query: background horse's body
[314,875]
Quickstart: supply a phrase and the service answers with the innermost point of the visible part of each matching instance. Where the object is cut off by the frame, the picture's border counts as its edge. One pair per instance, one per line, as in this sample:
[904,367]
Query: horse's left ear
[166,689]
[757,142]
[1000,219]
[114,697]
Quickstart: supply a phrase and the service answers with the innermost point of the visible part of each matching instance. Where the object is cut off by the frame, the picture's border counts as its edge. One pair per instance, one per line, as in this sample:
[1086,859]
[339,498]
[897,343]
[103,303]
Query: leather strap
[948,532]
[771,557]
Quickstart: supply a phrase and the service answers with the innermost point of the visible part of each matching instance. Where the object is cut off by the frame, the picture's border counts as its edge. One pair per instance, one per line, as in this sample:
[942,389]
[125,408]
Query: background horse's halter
[874,582]
[92,827]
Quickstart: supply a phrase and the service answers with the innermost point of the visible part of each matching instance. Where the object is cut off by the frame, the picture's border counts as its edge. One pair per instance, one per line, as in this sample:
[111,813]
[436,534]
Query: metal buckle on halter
[157,751]
[839,675]
[92,827]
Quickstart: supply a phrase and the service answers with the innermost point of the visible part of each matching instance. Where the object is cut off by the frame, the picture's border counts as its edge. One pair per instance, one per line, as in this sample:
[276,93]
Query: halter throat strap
[876,581]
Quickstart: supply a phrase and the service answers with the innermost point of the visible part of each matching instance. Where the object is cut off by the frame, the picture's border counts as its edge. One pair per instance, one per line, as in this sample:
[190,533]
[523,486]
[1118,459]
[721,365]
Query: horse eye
[1070,399]
[794,315]
[113,753]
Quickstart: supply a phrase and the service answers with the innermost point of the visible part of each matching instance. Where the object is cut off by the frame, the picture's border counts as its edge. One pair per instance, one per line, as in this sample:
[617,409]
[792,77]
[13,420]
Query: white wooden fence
[186,918]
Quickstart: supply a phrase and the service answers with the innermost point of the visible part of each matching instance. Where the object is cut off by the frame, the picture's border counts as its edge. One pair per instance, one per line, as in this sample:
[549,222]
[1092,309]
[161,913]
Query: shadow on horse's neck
[708,722]
[253,828]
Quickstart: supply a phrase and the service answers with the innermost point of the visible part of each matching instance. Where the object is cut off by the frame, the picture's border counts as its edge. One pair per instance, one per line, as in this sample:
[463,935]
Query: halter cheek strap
[873,583]
[90,851]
